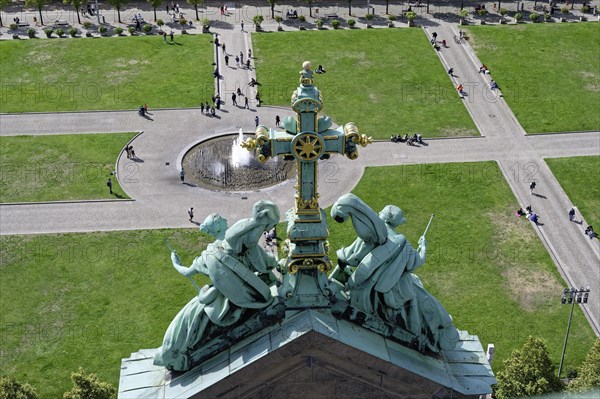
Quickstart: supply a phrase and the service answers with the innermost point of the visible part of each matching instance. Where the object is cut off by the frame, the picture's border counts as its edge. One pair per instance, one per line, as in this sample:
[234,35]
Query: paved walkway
[161,200]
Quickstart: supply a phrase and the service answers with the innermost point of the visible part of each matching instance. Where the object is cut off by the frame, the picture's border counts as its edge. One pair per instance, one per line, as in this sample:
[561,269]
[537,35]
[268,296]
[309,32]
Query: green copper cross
[307,139]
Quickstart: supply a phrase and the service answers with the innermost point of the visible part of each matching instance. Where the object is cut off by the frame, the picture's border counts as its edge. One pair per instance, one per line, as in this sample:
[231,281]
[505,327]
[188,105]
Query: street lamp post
[570,297]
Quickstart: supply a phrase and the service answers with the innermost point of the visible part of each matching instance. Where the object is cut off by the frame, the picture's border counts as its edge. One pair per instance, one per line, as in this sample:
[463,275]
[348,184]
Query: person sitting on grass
[320,69]
[520,212]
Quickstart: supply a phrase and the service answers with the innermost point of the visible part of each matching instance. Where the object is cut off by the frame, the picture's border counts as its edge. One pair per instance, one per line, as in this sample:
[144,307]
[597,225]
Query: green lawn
[105,74]
[549,73]
[88,300]
[486,266]
[60,167]
[578,176]
[388,81]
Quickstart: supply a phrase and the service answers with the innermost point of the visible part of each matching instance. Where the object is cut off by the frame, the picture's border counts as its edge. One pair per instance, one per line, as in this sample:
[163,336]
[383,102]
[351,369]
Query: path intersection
[159,200]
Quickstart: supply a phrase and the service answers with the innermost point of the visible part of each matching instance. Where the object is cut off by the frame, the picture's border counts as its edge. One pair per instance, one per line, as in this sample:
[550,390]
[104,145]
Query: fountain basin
[218,164]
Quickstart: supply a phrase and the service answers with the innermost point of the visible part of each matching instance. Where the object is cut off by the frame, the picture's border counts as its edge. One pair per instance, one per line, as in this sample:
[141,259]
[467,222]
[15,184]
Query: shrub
[60,32]
[278,19]
[481,12]
[31,33]
[518,17]
[547,16]
[131,30]
[72,31]
[89,387]
[462,13]
[302,18]
[411,15]
[319,23]
[13,26]
[147,28]
[564,10]
[182,22]
[11,388]
[534,17]
[160,22]
[335,23]
[588,374]
[351,23]
[102,29]
[258,19]
[48,32]
[527,372]
[118,30]
[503,11]
[87,24]
[585,9]
[392,18]
[369,17]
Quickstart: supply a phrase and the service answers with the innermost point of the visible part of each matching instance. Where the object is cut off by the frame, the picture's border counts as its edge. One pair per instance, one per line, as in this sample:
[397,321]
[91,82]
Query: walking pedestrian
[128,151]
[233,99]
[172,35]
[571,214]
[246,102]
[242,24]
[434,34]
[182,175]
[131,152]
[223,46]
[109,184]
[531,187]
[451,72]
[256,120]
[277,120]
[165,36]
[226,60]
[202,107]
[191,214]
[248,64]
[241,58]
[249,53]
[237,61]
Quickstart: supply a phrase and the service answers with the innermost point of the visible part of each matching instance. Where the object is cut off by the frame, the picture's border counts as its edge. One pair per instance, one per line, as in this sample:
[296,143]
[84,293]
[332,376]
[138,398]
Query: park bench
[332,15]
[23,24]
[61,22]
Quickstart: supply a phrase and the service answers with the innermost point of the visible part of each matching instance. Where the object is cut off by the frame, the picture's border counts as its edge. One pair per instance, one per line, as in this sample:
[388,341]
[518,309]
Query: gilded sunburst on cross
[308,147]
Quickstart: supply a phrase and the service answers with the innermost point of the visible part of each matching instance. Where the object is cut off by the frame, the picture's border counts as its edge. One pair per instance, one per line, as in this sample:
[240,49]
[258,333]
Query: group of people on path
[534,217]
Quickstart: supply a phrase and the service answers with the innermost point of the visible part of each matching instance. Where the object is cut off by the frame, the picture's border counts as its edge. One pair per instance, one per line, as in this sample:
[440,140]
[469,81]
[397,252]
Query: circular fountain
[222,164]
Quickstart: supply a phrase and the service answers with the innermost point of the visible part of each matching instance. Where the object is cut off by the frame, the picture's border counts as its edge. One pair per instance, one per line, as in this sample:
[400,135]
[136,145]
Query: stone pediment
[313,355]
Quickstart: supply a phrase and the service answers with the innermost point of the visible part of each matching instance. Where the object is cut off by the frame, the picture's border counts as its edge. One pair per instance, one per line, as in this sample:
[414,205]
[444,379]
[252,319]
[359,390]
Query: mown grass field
[388,81]
[60,167]
[549,73]
[105,74]
[487,267]
[71,300]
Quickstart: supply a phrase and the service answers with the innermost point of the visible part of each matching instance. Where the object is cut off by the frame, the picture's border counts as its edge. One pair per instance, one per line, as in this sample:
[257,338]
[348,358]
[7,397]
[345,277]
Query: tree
[349,7]
[89,387]
[39,4]
[527,372]
[588,376]
[272,3]
[387,6]
[76,5]
[310,3]
[196,3]
[118,4]
[155,4]
[12,389]
[3,4]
